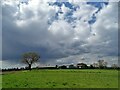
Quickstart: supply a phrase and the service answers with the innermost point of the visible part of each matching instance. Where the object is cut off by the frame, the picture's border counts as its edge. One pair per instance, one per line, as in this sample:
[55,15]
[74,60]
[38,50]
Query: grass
[61,79]
[0,82]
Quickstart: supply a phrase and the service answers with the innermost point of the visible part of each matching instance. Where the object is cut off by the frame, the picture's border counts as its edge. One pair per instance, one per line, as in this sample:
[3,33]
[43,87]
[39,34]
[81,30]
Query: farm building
[82,65]
[72,66]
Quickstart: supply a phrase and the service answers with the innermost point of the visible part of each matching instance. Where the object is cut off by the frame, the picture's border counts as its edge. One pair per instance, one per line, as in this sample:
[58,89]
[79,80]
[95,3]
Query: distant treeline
[59,67]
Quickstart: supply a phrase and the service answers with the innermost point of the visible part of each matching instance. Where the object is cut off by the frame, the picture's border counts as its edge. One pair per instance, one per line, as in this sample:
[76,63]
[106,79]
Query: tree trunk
[30,67]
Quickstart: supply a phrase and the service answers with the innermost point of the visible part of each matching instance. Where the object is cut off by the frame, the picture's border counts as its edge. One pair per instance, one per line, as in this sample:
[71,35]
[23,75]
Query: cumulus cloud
[106,30]
[85,11]
[26,28]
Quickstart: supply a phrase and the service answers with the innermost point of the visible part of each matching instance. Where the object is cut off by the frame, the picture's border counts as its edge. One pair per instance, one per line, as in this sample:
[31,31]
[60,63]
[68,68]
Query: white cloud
[82,30]
[34,11]
[88,60]
[85,11]
[64,9]
[61,30]
[106,30]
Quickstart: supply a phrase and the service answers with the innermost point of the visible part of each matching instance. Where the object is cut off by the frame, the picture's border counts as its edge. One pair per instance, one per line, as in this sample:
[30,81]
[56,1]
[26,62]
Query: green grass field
[0,81]
[61,79]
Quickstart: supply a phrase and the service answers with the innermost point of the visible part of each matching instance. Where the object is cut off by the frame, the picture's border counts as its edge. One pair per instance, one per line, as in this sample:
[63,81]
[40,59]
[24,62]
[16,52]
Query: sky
[60,32]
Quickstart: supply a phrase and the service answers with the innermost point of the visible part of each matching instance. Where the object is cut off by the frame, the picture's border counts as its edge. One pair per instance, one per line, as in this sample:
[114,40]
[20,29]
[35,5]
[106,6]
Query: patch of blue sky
[24,1]
[67,4]
[53,18]
[68,16]
[98,5]
[92,20]
[70,19]
[70,6]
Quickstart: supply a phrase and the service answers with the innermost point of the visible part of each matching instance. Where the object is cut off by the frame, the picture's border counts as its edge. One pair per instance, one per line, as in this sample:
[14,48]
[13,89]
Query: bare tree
[102,64]
[30,58]
[115,66]
[95,65]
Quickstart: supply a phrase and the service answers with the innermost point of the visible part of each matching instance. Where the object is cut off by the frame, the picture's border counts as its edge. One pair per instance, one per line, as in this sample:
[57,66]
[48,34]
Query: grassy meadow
[69,78]
[0,81]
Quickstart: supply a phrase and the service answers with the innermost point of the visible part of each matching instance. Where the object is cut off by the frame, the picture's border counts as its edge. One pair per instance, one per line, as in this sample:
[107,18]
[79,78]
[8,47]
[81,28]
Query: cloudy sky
[61,32]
